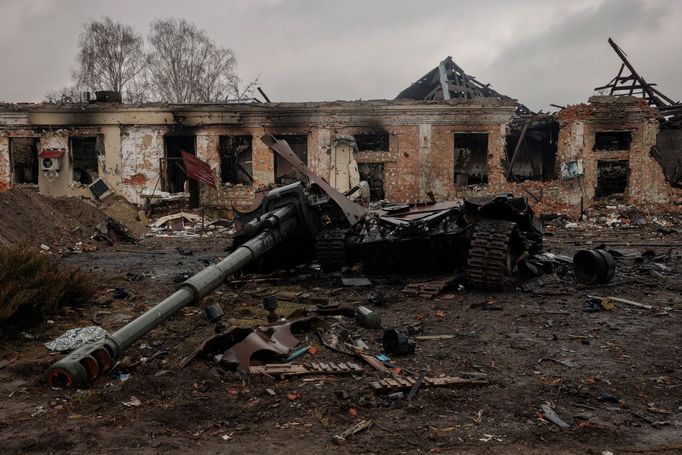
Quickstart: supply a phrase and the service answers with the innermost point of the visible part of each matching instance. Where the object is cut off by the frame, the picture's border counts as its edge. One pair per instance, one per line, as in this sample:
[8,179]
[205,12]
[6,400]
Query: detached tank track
[489,258]
[330,249]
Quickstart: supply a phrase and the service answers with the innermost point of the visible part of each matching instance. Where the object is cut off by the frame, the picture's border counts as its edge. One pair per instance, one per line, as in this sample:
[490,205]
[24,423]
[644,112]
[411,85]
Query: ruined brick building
[445,136]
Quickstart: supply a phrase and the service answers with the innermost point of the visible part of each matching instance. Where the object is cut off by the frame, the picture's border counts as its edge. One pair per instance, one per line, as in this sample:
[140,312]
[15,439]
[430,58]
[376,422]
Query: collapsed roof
[449,81]
[633,84]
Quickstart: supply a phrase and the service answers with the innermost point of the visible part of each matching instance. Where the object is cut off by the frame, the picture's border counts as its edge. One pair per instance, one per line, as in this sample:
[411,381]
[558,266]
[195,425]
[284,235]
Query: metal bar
[537,199]
[518,146]
[265,97]
[444,80]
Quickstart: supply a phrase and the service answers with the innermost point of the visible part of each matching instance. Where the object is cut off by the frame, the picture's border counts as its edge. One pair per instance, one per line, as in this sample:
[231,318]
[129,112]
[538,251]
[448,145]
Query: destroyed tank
[485,236]
[298,223]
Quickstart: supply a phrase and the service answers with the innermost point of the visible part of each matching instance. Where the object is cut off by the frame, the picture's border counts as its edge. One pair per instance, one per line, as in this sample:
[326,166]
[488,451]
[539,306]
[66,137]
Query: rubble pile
[61,225]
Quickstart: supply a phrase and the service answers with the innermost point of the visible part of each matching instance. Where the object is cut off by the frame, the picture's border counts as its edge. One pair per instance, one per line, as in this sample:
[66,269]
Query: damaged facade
[444,137]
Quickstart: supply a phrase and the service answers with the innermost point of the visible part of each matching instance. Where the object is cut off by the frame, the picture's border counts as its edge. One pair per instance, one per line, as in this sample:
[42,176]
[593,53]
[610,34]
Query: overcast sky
[538,51]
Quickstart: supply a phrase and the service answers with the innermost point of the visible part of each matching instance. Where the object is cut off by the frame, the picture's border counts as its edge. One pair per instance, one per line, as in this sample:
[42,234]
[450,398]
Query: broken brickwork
[408,150]
[610,118]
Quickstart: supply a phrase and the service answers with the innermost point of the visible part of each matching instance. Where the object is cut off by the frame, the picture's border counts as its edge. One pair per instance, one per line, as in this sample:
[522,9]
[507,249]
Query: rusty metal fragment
[353,212]
[274,338]
[198,169]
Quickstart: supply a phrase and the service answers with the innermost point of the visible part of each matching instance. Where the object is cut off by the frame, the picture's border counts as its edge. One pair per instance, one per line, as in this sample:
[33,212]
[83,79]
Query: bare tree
[110,56]
[243,93]
[186,66]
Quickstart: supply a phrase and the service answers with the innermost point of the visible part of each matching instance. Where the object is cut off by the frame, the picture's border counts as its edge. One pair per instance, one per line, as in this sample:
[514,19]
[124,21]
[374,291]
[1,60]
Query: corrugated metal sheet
[51,153]
[198,169]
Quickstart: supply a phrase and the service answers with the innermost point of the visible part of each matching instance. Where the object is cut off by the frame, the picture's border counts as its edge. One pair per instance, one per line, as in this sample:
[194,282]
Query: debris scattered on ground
[186,224]
[398,383]
[428,290]
[133,402]
[550,414]
[356,281]
[611,299]
[368,318]
[177,222]
[288,369]
[415,387]
[433,337]
[397,343]
[363,425]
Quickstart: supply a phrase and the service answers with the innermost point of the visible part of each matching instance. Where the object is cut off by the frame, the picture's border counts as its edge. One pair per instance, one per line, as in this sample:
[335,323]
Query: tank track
[330,249]
[489,260]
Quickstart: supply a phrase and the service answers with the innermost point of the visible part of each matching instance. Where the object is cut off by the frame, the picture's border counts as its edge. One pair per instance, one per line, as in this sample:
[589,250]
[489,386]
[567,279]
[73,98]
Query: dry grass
[34,285]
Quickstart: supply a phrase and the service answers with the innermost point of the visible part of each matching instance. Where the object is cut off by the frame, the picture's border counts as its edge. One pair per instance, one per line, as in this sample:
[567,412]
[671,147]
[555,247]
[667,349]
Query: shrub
[34,285]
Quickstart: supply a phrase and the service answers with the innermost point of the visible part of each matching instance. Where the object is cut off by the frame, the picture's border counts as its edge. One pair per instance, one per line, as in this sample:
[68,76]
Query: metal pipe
[77,368]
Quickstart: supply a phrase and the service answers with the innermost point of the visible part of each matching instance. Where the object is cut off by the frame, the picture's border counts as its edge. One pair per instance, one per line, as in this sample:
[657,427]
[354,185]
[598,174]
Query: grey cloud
[565,61]
[540,52]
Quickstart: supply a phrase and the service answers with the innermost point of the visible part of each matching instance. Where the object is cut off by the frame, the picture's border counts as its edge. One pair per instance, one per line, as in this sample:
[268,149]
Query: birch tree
[186,66]
[110,56]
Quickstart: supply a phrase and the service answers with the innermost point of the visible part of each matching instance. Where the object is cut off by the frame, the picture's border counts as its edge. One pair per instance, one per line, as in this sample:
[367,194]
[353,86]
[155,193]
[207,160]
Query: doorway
[612,178]
[24,159]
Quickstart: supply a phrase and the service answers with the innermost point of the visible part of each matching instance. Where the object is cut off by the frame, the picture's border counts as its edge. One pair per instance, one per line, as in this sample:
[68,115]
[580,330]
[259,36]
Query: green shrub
[34,285]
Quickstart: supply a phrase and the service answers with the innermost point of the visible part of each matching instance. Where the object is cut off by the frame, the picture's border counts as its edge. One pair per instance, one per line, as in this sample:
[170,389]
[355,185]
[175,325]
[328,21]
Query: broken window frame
[373,141]
[600,135]
[458,170]
[236,166]
[98,149]
[533,145]
[279,163]
[34,163]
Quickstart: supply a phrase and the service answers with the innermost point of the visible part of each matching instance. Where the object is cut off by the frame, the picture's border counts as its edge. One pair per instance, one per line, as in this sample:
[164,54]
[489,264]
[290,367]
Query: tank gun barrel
[84,365]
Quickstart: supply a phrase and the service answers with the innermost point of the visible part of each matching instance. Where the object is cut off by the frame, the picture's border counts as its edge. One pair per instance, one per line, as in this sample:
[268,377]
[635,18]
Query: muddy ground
[614,376]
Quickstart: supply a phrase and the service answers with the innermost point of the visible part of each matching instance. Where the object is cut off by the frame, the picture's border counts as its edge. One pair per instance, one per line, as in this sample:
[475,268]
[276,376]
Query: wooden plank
[388,384]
